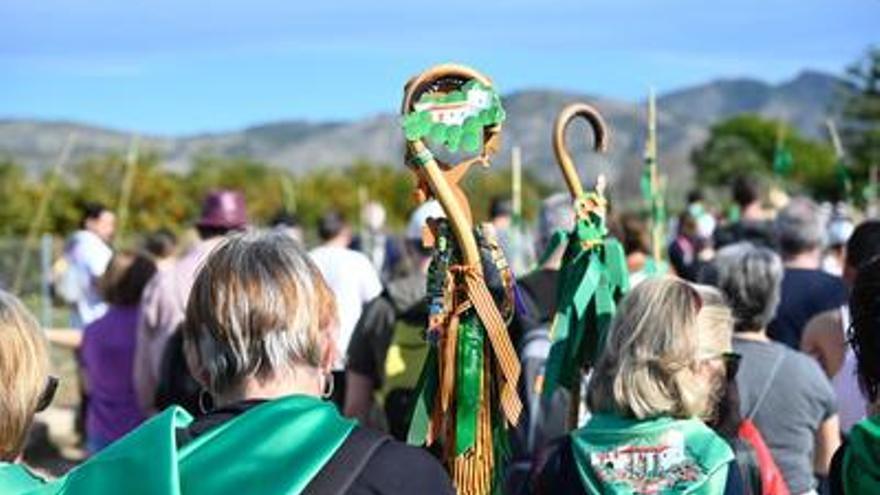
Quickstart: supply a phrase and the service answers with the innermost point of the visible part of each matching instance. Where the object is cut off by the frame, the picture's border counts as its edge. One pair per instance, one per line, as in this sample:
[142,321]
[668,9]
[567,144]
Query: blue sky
[173,67]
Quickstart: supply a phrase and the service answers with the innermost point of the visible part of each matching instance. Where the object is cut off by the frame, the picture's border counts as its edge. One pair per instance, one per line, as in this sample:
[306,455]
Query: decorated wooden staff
[841,171]
[652,193]
[467,393]
[593,276]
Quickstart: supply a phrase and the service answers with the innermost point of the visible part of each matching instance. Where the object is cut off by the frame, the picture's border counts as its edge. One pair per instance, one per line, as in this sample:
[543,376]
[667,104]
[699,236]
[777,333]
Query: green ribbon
[426,391]
[591,282]
[468,371]
[783,161]
[654,200]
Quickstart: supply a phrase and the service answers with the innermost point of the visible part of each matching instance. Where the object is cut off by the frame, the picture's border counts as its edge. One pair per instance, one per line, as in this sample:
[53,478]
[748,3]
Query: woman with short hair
[648,392]
[26,389]
[783,391]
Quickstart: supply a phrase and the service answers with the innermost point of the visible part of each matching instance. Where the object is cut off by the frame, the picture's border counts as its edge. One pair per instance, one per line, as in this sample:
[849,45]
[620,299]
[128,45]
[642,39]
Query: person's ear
[329,352]
[198,372]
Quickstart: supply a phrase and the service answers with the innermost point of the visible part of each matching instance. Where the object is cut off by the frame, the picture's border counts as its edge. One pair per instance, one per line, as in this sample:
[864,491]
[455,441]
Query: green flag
[782,160]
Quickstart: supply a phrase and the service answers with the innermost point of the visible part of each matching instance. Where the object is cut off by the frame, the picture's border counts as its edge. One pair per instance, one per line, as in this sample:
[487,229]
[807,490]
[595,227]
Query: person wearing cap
[164,300]
[387,348]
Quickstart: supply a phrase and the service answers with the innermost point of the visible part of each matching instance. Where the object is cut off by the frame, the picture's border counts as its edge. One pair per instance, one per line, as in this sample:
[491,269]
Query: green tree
[19,199]
[860,130]
[746,144]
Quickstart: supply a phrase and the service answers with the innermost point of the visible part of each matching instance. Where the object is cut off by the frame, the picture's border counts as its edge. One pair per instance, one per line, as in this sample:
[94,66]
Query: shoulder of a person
[804,362]
[824,324]
[421,468]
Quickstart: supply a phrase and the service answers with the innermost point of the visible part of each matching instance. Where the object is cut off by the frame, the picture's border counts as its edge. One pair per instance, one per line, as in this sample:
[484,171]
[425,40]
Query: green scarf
[15,478]
[861,460]
[663,456]
[275,448]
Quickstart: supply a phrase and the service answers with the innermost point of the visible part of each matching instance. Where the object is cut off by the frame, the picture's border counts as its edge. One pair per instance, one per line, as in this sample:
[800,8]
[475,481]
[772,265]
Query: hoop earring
[206,402]
[328,386]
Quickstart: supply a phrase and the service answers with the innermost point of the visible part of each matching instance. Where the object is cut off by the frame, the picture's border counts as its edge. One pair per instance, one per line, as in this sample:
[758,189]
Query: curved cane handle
[600,142]
[441,178]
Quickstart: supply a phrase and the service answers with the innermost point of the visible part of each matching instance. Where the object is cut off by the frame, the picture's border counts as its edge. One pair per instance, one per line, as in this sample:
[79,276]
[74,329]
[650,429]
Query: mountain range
[683,121]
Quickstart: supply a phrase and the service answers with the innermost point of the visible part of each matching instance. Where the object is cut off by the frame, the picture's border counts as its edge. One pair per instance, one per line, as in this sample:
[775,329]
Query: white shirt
[354,281]
[89,256]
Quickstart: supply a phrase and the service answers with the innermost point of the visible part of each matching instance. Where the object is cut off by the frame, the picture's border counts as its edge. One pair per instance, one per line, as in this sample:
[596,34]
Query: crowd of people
[749,363]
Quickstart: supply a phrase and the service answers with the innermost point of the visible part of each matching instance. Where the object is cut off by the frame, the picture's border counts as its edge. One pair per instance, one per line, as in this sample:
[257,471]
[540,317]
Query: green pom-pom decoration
[470,141]
[453,138]
[438,133]
[468,135]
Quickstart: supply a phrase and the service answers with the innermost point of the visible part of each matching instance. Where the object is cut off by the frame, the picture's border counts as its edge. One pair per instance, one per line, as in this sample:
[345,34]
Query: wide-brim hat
[224,209]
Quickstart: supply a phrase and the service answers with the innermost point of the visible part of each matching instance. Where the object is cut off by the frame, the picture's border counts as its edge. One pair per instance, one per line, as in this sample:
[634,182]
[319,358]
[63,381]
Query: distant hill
[684,117]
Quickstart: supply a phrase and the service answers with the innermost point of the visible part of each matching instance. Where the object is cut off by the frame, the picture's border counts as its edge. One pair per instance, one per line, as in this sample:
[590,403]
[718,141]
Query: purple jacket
[108,356]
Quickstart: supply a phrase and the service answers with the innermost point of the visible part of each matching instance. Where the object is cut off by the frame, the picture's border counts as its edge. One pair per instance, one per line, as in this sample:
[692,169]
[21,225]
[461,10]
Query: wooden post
[840,155]
[651,156]
[516,166]
[42,207]
[127,184]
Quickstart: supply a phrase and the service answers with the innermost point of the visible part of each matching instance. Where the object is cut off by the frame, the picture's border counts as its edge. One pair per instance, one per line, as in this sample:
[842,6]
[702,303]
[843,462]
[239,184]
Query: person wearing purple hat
[164,301]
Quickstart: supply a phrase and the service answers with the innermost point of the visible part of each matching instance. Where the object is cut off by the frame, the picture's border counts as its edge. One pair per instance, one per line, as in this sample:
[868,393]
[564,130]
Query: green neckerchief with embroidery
[274,448]
[616,455]
[592,280]
[15,478]
[861,460]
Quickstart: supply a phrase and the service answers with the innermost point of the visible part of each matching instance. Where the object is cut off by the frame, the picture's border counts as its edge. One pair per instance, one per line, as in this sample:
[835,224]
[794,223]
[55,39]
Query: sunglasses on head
[48,393]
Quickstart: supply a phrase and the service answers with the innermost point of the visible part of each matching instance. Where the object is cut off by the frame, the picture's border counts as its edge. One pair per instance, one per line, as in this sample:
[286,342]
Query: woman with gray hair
[783,391]
[259,336]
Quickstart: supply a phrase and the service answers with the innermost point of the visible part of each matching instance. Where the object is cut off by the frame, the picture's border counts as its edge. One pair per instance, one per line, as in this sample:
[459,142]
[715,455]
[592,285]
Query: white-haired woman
[648,392]
[26,388]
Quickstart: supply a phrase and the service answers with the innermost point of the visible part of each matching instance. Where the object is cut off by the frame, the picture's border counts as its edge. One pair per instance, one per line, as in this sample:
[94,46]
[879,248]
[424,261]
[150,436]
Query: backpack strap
[337,476]
[770,377]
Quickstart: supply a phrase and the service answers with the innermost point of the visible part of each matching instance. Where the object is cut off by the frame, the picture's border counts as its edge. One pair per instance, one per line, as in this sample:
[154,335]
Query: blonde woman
[651,387]
[26,389]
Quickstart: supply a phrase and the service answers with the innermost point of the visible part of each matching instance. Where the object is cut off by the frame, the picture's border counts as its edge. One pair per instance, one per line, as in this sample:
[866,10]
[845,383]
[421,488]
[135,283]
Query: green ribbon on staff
[653,196]
[592,279]
[783,161]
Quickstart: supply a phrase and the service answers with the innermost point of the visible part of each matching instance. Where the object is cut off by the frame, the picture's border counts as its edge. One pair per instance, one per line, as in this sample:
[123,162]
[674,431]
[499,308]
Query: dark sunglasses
[48,393]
